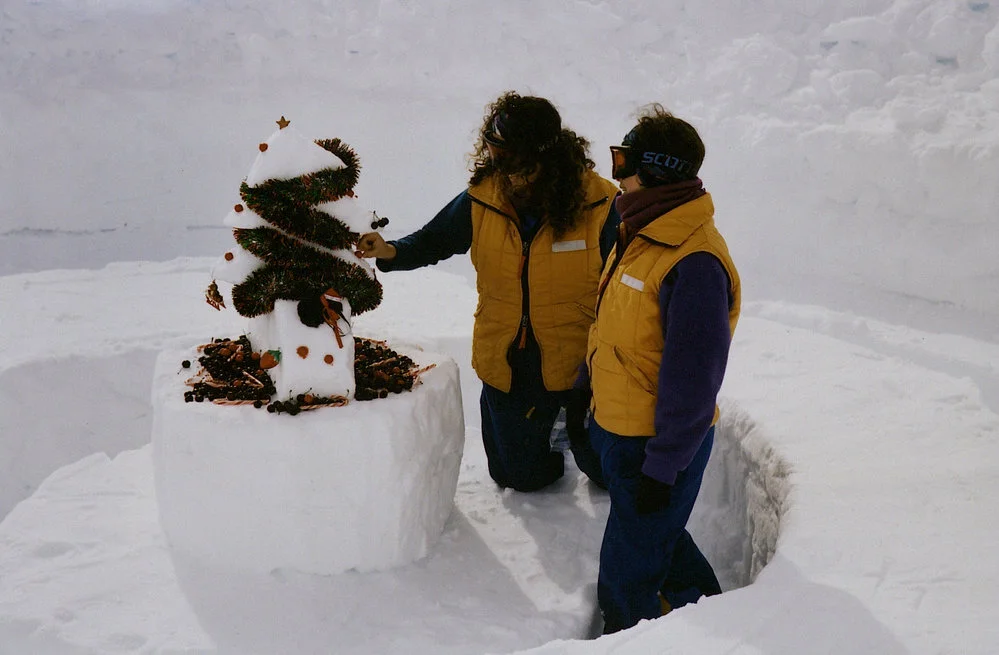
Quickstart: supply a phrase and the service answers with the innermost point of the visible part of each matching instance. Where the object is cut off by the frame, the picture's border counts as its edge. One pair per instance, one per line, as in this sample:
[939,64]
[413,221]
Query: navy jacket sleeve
[694,305]
[448,233]
[608,234]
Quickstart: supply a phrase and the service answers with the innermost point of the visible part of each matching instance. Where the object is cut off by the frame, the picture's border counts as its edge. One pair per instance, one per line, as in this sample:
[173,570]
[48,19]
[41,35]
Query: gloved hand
[373,245]
[576,409]
[575,416]
[653,495]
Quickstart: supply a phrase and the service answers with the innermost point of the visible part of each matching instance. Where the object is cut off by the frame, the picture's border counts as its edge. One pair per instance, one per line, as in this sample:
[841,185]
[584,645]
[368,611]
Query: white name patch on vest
[632,282]
[568,246]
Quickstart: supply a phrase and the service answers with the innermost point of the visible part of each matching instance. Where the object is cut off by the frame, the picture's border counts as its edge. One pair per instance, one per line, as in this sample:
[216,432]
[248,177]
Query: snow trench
[58,411]
[743,498]
[736,522]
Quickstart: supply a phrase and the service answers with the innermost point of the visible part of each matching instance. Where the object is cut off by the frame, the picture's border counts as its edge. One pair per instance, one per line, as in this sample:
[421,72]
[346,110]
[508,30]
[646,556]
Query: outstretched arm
[448,233]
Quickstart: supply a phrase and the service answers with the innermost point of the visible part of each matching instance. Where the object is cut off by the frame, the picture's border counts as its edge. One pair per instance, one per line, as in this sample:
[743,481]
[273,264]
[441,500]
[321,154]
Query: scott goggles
[653,168]
[622,164]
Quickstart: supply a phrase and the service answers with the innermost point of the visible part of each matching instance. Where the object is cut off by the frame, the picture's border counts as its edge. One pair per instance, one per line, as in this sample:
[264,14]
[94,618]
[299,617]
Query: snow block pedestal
[367,486]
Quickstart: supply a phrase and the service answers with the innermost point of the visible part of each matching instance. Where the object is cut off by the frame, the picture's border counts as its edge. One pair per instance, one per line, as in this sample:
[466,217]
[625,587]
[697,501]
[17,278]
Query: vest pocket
[634,370]
[562,314]
[589,312]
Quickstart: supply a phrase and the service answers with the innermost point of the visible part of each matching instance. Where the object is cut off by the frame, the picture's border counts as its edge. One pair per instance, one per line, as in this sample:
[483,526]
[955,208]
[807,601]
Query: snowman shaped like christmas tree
[247,490]
[294,272]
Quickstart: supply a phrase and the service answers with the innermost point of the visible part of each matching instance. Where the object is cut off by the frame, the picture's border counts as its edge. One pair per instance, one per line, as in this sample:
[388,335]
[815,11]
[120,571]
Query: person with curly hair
[667,306]
[539,223]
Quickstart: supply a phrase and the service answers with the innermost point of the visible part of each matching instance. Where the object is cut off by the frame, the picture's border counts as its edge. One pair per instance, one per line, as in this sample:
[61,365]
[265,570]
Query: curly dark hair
[558,155]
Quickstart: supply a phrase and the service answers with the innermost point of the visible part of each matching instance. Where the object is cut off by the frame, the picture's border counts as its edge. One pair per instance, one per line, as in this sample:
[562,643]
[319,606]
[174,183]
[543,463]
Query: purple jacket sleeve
[694,303]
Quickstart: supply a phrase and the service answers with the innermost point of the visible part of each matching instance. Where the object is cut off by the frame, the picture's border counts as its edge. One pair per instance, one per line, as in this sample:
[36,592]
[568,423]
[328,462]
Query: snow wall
[853,148]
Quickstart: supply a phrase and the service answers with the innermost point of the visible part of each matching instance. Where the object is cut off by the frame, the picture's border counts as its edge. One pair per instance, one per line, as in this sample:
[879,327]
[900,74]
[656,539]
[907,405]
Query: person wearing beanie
[667,305]
[539,223]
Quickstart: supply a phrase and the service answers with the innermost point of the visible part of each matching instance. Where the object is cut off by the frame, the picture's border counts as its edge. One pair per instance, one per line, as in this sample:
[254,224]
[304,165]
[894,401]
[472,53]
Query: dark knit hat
[664,149]
[525,124]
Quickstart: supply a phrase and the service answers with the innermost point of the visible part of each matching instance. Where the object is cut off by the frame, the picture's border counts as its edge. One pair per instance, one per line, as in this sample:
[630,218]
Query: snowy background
[853,156]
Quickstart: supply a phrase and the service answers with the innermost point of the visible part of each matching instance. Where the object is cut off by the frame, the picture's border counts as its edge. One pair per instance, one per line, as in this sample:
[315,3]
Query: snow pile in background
[852,147]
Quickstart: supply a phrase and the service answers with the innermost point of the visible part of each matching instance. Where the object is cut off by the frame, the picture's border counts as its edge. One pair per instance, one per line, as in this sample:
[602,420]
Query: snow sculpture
[320,482]
[295,272]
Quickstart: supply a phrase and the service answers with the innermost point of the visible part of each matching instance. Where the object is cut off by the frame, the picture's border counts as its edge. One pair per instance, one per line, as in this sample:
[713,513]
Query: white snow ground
[852,153]
[875,470]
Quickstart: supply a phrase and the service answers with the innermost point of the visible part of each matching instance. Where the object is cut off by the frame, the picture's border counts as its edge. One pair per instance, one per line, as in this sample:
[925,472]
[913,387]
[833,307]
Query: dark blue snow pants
[517,427]
[642,555]
[516,434]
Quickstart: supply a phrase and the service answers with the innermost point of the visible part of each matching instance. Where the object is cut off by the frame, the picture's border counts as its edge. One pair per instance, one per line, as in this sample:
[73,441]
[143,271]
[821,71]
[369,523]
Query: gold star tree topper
[283,123]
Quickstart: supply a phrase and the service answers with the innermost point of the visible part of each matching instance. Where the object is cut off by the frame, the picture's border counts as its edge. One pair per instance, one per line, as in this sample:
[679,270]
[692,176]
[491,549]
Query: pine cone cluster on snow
[232,373]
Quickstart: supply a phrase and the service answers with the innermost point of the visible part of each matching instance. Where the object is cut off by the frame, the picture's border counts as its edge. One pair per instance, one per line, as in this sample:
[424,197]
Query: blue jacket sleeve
[694,308]
[608,234]
[448,233]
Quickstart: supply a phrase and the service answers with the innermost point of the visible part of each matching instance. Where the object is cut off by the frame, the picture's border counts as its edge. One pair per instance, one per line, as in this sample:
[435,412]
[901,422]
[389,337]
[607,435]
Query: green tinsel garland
[295,270]
[280,249]
[256,294]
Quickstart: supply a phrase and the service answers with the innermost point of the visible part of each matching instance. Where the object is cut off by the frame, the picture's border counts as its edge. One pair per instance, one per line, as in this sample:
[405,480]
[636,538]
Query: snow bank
[84,566]
[367,486]
[854,145]
[744,497]
[111,415]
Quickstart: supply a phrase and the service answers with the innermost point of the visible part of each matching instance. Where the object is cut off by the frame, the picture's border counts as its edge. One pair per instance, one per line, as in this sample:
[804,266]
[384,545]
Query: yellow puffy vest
[626,341]
[562,281]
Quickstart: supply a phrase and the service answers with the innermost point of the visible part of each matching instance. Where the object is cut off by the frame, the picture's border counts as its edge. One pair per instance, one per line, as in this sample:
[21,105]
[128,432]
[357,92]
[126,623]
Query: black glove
[653,495]
[575,416]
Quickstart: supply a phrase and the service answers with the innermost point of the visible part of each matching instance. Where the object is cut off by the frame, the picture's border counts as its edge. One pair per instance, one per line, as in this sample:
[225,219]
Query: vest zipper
[525,302]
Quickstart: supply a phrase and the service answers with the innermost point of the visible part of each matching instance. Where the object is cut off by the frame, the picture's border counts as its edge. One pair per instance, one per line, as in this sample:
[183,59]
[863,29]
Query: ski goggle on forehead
[493,135]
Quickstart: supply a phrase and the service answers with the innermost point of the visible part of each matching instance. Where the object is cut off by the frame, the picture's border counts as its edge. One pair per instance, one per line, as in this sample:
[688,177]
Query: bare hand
[373,245]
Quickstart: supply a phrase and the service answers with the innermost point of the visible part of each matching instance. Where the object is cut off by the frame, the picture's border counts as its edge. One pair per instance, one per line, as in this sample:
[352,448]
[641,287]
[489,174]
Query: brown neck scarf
[639,208]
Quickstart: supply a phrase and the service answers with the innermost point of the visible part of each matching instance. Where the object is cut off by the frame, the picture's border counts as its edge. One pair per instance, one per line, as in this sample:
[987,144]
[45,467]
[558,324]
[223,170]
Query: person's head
[660,149]
[539,162]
